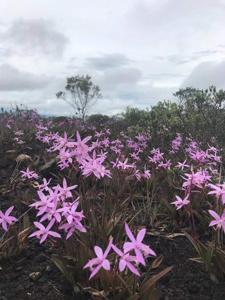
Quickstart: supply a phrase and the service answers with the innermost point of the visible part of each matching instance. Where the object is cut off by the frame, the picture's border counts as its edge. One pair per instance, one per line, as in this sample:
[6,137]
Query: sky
[138,51]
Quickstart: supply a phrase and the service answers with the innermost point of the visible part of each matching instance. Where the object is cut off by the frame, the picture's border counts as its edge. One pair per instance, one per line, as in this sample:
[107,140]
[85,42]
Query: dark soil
[32,275]
[187,280]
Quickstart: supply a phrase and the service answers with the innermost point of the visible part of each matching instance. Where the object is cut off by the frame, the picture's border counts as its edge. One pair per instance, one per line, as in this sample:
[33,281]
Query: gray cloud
[194,56]
[108,61]
[37,36]
[13,79]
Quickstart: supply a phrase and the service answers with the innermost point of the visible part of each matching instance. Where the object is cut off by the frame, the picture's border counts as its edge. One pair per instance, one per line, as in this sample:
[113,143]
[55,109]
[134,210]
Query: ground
[32,275]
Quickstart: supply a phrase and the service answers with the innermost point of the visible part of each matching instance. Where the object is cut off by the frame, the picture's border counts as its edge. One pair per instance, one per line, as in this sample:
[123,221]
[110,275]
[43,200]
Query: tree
[80,93]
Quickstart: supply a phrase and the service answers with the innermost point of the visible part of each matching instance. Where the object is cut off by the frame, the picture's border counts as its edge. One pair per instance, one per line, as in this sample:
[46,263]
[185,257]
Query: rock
[35,276]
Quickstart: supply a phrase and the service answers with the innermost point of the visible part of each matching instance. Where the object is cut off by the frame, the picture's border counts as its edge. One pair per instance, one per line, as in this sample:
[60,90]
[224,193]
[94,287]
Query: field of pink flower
[110,213]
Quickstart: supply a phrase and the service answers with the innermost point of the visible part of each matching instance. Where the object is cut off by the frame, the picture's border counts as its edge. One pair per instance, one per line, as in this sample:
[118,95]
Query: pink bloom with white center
[182,165]
[6,219]
[101,261]
[124,165]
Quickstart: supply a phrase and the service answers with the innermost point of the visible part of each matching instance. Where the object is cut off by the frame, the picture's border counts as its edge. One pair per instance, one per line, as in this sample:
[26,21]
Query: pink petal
[108,248]
[117,250]
[36,233]
[55,234]
[141,235]
[39,225]
[52,222]
[128,246]
[213,223]
[106,264]
[139,257]
[132,269]
[95,271]
[98,251]
[44,237]
[4,226]
[214,214]
[122,265]
[129,233]
[9,210]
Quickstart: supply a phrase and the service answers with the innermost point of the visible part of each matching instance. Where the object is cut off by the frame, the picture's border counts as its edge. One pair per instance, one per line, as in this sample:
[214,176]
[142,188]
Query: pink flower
[65,190]
[157,156]
[29,174]
[146,174]
[219,221]
[44,185]
[82,149]
[73,218]
[198,179]
[6,219]
[217,190]
[182,165]
[126,260]
[176,143]
[94,165]
[101,261]
[181,202]
[124,165]
[137,245]
[44,232]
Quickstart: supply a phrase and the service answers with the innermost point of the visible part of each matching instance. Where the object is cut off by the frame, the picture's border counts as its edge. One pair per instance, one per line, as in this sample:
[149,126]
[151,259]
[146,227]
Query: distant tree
[80,93]
[203,111]
[98,119]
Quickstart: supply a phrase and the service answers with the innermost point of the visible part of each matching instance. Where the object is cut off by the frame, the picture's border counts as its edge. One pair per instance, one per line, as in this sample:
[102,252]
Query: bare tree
[80,93]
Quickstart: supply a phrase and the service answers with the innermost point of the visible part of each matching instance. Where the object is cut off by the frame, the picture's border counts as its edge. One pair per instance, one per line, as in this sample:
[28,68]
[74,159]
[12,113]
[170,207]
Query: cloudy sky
[137,51]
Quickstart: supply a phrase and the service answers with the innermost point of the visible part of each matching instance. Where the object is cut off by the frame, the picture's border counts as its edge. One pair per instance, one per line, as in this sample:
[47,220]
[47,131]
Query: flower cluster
[57,207]
[133,253]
